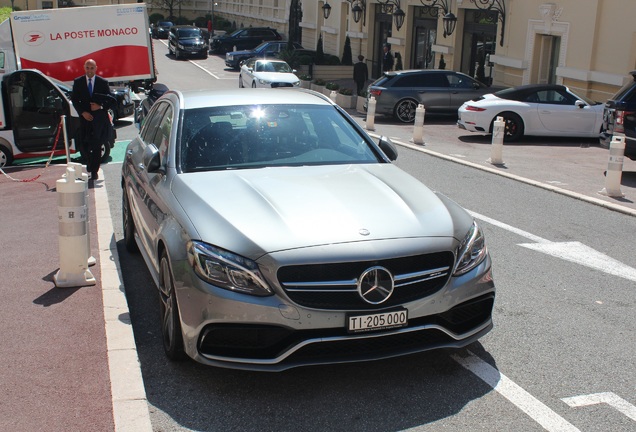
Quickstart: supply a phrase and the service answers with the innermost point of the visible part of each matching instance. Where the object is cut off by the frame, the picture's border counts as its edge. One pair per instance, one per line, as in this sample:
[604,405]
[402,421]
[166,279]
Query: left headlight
[264,82]
[227,270]
[471,251]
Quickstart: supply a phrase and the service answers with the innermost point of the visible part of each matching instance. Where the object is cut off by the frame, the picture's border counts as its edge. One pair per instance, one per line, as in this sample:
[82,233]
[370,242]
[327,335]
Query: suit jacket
[81,98]
[360,72]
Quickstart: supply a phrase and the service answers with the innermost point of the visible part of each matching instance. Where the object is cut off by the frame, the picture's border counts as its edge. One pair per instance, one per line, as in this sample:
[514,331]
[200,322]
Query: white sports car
[541,110]
[267,73]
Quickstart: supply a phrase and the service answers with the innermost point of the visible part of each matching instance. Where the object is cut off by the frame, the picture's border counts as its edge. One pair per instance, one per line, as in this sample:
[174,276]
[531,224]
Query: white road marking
[575,252]
[609,398]
[523,400]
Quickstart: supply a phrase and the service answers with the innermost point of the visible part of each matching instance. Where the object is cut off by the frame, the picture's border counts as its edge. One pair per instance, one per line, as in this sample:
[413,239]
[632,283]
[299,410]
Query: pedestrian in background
[387,59]
[91,100]
[360,74]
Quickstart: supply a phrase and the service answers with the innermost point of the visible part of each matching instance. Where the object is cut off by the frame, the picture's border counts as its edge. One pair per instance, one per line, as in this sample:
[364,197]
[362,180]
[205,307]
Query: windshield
[270,66]
[189,33]
[240,137]
[165,24]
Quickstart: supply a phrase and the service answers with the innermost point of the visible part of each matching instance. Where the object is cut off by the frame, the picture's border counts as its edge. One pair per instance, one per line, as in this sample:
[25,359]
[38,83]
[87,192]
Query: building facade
[588,45]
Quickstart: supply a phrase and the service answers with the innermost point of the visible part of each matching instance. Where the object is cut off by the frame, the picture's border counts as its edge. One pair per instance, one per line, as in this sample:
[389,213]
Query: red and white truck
[38,47]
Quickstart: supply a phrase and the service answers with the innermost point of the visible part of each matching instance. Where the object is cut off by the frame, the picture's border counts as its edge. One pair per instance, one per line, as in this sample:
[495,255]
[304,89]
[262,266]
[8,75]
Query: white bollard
[73,229]
[370,123]
[496,149]
[333,95]
[615,168]
[418,129]
[82,174]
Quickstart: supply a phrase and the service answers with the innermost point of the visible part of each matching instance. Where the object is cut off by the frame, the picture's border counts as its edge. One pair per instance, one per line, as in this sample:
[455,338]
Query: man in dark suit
[387,59]
[91,98]
[360,74]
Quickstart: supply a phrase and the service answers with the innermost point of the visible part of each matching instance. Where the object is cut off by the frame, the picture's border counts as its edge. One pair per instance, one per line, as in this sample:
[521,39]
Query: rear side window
[421,80]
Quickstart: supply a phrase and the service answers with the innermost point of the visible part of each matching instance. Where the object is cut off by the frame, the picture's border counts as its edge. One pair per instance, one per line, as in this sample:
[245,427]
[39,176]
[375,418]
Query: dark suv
[243,39]
[187,41]
[619,117]
[233,59]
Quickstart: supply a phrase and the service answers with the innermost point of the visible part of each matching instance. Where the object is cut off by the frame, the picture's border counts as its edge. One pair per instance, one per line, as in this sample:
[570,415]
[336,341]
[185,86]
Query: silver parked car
[280,235]
[399,93]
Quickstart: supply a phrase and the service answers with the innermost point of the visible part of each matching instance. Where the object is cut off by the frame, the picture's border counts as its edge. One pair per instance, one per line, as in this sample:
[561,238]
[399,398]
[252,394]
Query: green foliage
[333,86]
[201,21]
[331,60]
[320,82]
[305,59]
[347,57]
[345,91]
[156,17]
[305,77]
[320,53]
[4,13]
[289,56]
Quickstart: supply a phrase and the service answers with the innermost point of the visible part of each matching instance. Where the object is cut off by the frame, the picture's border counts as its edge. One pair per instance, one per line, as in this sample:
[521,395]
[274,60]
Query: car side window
[460,81]
[162,138]
[151,124]
[555,97]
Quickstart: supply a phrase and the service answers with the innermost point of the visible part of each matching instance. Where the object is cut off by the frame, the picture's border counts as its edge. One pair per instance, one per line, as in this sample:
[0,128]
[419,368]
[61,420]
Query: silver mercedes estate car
[279,234]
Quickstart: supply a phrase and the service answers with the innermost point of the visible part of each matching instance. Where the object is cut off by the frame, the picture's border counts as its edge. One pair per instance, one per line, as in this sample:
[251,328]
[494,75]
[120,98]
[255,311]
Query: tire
[404,110]
[253,84]
[128,224]
[176,54]
[171,334]
[241,82]
[105,152]
[6,157]
[514,126]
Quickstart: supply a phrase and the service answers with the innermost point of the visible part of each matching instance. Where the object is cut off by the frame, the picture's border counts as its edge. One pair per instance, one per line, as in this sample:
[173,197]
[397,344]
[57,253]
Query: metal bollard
[418,130]
[614,168]
[73,229]
[370,123]
[333,95]
[496,149]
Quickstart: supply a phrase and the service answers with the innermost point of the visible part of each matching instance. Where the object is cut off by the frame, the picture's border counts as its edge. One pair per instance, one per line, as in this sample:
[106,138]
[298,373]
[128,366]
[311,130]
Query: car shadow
[533,141]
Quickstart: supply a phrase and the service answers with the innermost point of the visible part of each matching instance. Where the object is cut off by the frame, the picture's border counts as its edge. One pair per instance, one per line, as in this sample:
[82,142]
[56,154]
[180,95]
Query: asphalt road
[560,357]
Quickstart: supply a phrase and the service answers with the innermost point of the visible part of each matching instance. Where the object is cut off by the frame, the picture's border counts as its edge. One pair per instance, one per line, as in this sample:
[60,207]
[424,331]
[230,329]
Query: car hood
[243,53]
[256,211]
[277,76]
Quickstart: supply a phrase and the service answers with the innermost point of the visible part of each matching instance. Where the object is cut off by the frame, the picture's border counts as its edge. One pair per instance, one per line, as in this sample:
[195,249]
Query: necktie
[90,86]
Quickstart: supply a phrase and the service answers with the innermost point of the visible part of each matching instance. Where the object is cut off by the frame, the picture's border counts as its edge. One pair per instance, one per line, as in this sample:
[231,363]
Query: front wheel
[254,84]
[241,82]
[170,322]
[405,110]
[514,126]
[6,158]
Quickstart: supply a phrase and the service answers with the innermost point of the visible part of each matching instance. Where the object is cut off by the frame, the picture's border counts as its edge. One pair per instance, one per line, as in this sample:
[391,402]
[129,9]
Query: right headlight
[227,270]
[471,251]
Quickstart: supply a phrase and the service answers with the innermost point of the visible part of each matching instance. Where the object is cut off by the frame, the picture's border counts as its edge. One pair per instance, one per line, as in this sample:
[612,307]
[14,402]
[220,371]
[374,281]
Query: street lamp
[398,14]
[449,19]
[359,10]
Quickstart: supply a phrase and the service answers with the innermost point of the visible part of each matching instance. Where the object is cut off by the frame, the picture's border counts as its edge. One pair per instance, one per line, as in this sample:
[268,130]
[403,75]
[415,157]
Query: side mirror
[579,103]
[151,159]
[388,148]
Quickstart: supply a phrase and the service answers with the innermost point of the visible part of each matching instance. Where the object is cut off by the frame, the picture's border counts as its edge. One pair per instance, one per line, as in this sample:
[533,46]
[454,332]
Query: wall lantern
[494,5]
[398,13]
[326,10]
[449,19]
[359,10]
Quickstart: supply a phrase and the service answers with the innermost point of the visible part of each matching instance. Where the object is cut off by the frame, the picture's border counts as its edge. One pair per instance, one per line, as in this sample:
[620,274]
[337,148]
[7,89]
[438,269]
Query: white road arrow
[611,399]
[571,251]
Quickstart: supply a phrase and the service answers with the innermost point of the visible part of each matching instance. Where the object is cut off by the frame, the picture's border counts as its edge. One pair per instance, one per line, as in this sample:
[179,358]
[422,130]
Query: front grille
[262,342]
[283,84]
[334,286]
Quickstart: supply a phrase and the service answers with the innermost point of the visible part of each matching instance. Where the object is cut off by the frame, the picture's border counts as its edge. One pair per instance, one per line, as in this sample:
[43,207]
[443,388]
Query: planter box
[327,92]
[305,84]
[346,101]
[318,88]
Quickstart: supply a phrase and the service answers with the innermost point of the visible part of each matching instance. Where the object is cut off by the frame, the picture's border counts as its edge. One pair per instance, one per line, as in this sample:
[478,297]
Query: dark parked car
[243,39]
[161,29]
[187,41]
[155,92]
[279,234]
[619,117]
[399,93]
[233,59]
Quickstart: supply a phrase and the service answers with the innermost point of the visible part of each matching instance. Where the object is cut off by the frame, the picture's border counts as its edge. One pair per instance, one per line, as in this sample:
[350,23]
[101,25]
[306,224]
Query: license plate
[378,321]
